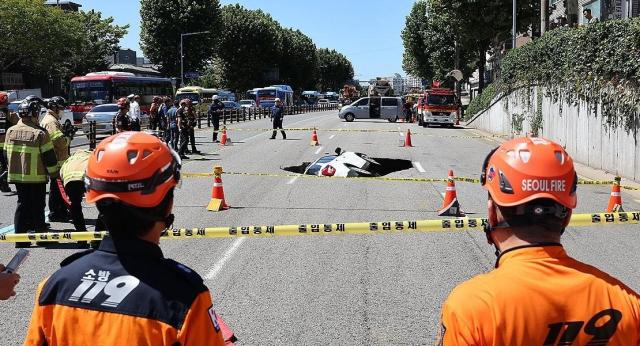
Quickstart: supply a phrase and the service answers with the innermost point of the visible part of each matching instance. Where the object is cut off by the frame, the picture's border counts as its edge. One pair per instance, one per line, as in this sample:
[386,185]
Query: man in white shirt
[134,112]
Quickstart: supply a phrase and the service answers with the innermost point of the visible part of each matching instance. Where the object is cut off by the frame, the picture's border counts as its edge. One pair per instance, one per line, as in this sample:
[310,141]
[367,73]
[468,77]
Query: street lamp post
[513,32]
[182,53]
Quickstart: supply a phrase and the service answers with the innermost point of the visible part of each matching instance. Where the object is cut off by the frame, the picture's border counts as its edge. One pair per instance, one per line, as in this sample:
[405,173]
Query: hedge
[597,63]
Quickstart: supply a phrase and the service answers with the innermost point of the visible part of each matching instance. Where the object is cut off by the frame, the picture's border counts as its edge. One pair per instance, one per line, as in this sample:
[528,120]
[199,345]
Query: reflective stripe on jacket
[60,142]
[7,119]
[30,153]
[74,168]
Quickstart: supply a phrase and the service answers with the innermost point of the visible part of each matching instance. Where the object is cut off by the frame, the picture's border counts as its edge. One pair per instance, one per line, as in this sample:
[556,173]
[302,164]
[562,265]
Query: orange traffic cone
[615,201]
[225,139]
[314,139]
[450,205]
[407,139]
[217,202]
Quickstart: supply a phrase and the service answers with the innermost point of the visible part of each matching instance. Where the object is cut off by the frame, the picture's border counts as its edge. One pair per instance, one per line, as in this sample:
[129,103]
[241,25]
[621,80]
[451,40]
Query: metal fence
[227,116]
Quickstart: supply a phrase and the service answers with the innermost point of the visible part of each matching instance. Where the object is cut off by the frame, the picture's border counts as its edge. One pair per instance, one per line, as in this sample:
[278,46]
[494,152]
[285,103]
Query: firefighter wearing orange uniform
[126,292]
[537,294]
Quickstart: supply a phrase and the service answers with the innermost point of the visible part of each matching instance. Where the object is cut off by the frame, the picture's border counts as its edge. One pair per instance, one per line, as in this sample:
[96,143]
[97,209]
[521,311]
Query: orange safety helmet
[4,98]
[134,168]
[524,169]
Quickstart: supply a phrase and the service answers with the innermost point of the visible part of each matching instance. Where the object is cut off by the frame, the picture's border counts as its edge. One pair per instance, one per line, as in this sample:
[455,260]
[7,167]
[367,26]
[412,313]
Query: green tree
[35,38]
[98,38]
[299,61]
[334,69]
[434,26]
[164,20]
[250,46]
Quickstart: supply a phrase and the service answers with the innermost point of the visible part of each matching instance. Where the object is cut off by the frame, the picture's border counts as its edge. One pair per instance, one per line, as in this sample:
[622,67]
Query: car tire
[349,117]
[393,120]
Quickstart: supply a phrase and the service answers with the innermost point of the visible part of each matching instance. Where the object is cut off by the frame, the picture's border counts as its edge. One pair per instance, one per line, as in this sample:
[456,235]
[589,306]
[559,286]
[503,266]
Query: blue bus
[265,97]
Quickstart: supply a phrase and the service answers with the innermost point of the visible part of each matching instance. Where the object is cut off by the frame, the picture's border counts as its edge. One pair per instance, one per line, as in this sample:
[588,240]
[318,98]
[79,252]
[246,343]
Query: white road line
[331,137]
[213,272]
[319,150]
[419,167]
[293,180]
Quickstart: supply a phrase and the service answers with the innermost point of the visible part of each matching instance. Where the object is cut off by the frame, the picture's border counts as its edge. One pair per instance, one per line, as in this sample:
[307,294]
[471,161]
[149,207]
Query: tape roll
[362,228]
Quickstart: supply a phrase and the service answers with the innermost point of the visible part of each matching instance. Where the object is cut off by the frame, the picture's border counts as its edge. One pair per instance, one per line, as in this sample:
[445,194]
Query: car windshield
[104,108]
[441,100]
[266,93]
[316,166]
[92,92]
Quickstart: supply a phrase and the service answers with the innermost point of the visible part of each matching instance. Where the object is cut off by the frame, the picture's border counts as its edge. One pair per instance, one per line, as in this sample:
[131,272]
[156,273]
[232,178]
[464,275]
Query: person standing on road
[126,292]
[134,112]
[8,282]
[192,118]
[537,295]
[173,133]
[58,211]
[183,127]
[153,113]
[72,175]
[277,114]
[214,115]
[165,105]
[31,159]
[7,119]
[122,121]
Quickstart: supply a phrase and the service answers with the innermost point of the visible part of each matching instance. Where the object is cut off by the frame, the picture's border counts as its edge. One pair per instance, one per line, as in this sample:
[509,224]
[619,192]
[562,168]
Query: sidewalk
[584,171]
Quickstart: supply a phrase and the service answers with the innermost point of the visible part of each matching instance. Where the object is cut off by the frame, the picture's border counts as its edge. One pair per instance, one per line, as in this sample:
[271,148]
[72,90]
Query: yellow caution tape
[356,130]
[383,227]
[407,180]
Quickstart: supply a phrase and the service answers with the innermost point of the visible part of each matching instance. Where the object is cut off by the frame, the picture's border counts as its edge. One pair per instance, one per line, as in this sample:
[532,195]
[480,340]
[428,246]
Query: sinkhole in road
[350,164]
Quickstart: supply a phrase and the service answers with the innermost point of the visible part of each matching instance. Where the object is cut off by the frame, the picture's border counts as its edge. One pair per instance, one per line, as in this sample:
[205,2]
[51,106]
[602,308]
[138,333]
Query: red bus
[107,87]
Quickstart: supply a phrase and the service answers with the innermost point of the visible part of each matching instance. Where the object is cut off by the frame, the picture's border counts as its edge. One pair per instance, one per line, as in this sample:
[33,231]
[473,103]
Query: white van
[389,108]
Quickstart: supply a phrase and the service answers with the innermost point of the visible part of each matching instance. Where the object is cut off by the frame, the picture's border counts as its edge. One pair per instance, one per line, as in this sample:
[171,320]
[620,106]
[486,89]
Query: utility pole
[544,16]
[182,53]
[513,30]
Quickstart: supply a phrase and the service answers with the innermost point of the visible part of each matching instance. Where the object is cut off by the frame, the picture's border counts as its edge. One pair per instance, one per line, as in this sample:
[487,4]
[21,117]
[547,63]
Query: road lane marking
[319,150]
[332,136]
[293,180]
[419,167]
[213,272]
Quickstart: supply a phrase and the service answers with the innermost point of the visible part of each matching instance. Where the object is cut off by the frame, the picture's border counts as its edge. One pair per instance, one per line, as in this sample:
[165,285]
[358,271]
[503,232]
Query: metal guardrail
[227,116]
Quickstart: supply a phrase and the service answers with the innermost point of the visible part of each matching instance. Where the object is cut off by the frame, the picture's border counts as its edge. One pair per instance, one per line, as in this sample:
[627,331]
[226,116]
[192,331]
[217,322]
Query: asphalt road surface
[347,290]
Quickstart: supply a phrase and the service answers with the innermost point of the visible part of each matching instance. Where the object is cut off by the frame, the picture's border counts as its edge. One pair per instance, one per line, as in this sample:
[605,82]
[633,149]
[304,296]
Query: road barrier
[393,179]
[359,130]
[361,228]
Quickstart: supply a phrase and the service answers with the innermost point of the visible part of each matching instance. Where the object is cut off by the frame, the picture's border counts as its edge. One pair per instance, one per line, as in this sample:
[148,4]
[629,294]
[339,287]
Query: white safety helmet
[277,100]
[215,97]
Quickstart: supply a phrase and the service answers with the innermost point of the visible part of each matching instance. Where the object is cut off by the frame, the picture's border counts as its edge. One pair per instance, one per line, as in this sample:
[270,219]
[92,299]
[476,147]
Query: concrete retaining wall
[577,128]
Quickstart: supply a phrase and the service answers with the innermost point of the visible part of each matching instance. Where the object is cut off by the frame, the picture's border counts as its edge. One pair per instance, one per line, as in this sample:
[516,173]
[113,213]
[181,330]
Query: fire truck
[438,106]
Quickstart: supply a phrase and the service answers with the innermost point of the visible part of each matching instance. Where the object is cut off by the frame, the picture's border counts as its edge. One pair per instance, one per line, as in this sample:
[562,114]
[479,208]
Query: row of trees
[441,35]
[46,41]
[243,49]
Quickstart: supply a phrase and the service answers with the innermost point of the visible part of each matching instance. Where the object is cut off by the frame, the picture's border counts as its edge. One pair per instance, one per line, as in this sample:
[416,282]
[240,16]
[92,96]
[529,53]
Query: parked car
[231,105]
[343,164]
[103,116]
[248,104]
[65,120]
[334,103]
[389,108]
[323,102]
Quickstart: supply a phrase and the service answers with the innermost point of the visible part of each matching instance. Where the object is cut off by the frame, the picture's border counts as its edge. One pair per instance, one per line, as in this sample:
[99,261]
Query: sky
[366,31]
